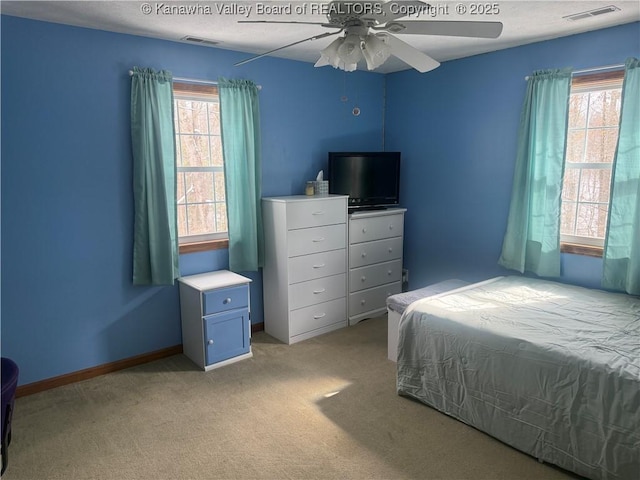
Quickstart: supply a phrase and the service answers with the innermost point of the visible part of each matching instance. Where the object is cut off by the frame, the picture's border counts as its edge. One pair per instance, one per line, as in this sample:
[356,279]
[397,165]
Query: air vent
[592,13]
[200,41]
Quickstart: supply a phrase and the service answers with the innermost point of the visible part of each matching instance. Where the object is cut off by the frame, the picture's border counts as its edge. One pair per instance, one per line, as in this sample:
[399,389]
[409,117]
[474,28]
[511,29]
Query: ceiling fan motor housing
[341,12]
[370,27]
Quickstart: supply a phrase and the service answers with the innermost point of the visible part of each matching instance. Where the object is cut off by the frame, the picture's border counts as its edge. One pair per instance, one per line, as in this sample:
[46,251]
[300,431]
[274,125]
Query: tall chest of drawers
[375,261]
[305,271]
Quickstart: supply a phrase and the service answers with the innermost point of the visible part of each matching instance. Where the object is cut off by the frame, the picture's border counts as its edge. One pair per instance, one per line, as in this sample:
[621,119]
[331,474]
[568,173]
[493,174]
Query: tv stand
[375,261]
[366,208]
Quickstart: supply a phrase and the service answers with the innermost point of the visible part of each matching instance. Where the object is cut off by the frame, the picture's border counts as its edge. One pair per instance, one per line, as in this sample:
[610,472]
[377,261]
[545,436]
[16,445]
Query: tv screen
[371,179]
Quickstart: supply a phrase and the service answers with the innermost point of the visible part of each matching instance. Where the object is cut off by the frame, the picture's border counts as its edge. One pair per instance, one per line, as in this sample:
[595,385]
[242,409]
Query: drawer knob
[319,265]
[389,272]
[316,317]
[390,249]
[390,227]
[319,239]
[316,292]
[227,300]
[362,302]
[209,342]
[363,254]
[319,212]
[363,278]
[364,230]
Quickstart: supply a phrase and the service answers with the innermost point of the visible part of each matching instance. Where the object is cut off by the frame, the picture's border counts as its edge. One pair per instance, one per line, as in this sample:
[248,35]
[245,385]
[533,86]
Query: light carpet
[325,408]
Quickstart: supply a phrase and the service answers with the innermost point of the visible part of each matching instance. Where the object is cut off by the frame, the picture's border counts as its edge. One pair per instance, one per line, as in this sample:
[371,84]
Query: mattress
[551,369]
[397,304]
[400,301]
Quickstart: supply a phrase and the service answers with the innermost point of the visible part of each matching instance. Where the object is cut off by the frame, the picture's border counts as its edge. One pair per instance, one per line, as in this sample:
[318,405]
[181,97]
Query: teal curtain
[621,262]
[155,243]
[240,127]
[532,240]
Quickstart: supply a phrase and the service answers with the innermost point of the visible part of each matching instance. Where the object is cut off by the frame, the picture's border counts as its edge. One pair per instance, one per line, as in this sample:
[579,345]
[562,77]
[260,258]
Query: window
[202,213]
[594,115]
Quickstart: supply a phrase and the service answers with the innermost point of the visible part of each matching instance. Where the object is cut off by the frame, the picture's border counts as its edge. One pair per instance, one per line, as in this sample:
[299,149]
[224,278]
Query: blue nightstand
[216,327]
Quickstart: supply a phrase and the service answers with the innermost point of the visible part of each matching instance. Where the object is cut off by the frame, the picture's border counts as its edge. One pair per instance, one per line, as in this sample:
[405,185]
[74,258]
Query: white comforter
[551,369]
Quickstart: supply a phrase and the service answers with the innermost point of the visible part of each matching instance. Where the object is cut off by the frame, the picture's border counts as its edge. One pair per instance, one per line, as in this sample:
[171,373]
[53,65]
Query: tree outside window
[202,213]
[594,115]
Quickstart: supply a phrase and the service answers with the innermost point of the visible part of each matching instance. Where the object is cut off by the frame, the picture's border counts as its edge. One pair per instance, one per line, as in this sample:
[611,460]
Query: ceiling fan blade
[322,24]
[315,37]
[447,28]
[395,9]
[408,54]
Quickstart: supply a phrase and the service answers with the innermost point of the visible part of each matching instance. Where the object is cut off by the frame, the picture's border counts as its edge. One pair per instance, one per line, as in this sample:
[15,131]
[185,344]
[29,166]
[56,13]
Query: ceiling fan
[368,27]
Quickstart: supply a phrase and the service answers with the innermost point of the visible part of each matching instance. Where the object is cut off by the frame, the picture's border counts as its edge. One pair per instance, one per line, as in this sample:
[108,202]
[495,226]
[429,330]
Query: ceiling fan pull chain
[344,97]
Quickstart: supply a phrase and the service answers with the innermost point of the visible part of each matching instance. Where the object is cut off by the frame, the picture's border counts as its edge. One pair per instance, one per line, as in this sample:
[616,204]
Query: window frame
[590,82]
[205,242]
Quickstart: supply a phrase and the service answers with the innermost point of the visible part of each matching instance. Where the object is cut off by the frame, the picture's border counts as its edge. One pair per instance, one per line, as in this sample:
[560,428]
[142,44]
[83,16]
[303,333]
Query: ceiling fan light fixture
[375,52]
[348,67]
[351,49]
[329,55]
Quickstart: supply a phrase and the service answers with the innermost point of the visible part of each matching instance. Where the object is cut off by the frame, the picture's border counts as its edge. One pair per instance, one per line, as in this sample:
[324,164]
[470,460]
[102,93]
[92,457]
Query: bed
[550,369]
[398,303]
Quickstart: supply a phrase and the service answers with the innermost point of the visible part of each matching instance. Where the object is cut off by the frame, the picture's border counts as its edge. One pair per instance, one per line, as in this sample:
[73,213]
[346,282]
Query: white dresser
[375,261]
[305,272]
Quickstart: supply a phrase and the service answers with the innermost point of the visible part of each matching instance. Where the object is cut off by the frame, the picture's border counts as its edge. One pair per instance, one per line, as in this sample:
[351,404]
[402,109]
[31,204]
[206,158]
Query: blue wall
[67,218]
[456,127]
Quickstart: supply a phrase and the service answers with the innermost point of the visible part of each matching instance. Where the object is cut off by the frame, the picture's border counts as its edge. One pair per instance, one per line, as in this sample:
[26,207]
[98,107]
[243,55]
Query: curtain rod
[195,80]
[594,69]
[597,69]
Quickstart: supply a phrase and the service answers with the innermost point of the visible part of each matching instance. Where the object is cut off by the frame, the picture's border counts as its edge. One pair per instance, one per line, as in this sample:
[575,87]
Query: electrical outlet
[405,280]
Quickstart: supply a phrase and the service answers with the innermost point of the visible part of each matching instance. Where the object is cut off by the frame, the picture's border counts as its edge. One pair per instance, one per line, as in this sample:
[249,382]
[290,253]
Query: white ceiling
[525,21]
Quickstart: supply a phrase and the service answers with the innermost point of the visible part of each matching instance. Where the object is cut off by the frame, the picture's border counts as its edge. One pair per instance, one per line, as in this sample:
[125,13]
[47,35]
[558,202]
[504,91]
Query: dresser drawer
[316,212]
[223,299]
[368,253]
[372,299]
[374,275]
[317,291]
[375,228]
[317,239]
[318,265]
[306,319]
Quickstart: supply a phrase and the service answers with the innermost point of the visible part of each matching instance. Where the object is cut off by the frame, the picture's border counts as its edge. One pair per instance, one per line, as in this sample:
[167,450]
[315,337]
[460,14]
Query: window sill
[577,249]
[194,247]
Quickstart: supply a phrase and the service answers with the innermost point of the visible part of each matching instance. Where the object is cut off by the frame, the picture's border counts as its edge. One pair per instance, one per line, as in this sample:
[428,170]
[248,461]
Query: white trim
[617,66]
[229,361]
[578,240]
[203,238]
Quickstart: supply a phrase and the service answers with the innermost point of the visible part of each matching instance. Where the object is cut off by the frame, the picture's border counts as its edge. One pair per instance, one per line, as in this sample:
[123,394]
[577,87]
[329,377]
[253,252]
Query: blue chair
[9,384]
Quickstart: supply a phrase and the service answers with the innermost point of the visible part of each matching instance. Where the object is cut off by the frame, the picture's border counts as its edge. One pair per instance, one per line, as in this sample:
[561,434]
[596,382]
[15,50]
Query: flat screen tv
[371,179]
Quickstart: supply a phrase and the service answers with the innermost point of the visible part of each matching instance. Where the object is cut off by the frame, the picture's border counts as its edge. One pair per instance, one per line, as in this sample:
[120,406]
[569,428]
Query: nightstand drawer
[316,212]
[223,299]
[375,228]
